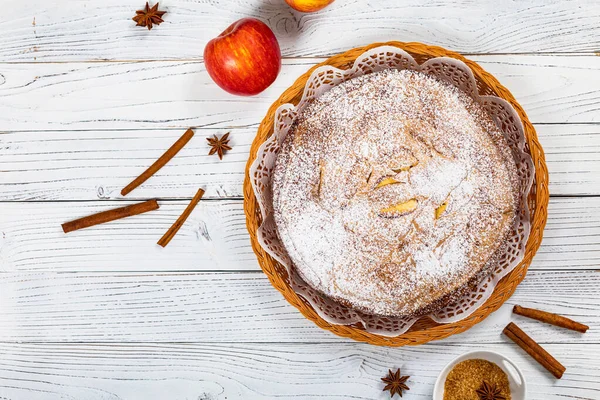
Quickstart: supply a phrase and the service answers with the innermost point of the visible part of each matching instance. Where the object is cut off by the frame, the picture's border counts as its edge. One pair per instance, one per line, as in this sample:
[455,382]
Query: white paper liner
[322,80]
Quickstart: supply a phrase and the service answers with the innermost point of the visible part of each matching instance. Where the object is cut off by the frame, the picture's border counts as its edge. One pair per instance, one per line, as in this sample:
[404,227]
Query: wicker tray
[425,329]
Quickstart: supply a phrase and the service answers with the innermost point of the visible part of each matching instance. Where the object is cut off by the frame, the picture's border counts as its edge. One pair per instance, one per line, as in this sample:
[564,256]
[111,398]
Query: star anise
[489,391]
[219,145]
[149,16]
[395,383]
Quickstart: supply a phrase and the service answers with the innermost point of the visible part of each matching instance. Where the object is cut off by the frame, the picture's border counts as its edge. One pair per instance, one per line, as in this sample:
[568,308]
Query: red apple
[245,59]
[308,5]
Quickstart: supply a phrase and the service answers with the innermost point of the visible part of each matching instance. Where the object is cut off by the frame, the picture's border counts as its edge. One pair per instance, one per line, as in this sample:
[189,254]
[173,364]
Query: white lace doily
[377,59]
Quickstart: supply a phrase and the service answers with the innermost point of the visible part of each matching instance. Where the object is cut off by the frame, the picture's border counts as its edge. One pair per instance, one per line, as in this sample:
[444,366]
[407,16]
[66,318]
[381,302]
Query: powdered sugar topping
[393,191]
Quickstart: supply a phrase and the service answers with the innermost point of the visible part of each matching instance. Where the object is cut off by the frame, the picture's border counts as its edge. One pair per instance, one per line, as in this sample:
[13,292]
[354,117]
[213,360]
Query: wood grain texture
[215,238]
[97,314]
[95,165]
[251,371]
[69,30]
[238,307]
[142,95]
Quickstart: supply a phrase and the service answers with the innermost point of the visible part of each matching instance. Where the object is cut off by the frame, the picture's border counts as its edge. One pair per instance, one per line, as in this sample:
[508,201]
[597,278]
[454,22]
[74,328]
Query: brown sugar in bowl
[504,369]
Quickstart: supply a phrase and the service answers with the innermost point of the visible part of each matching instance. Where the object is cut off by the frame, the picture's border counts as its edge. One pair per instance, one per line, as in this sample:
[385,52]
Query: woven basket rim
[425,329]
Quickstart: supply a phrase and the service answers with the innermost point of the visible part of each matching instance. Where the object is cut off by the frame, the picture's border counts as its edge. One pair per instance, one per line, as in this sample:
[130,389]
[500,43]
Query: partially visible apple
[308,5]
[245,59]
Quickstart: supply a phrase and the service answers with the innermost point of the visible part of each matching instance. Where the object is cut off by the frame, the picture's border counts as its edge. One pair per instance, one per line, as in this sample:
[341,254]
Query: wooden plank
[215,238]
[92,165]
[573,158]
[237,307]
[68,30]
[252,371]
[102,96]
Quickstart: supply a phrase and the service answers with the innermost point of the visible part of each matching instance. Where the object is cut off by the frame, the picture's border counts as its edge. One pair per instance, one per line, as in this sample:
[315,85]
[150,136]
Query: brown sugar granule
[468,376]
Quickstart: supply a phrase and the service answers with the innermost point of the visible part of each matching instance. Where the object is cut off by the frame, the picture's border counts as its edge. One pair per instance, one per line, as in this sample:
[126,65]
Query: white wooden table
[88,100]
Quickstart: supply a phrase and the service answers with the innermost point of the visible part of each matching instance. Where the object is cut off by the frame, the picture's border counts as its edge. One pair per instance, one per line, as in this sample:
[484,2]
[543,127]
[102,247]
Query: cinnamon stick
[549,318]
[534,350]
[158,164]
[110,215]
[170,234]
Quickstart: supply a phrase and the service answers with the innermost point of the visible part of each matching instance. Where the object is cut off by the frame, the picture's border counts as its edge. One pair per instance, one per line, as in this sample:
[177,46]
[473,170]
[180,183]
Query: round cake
[394,193]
